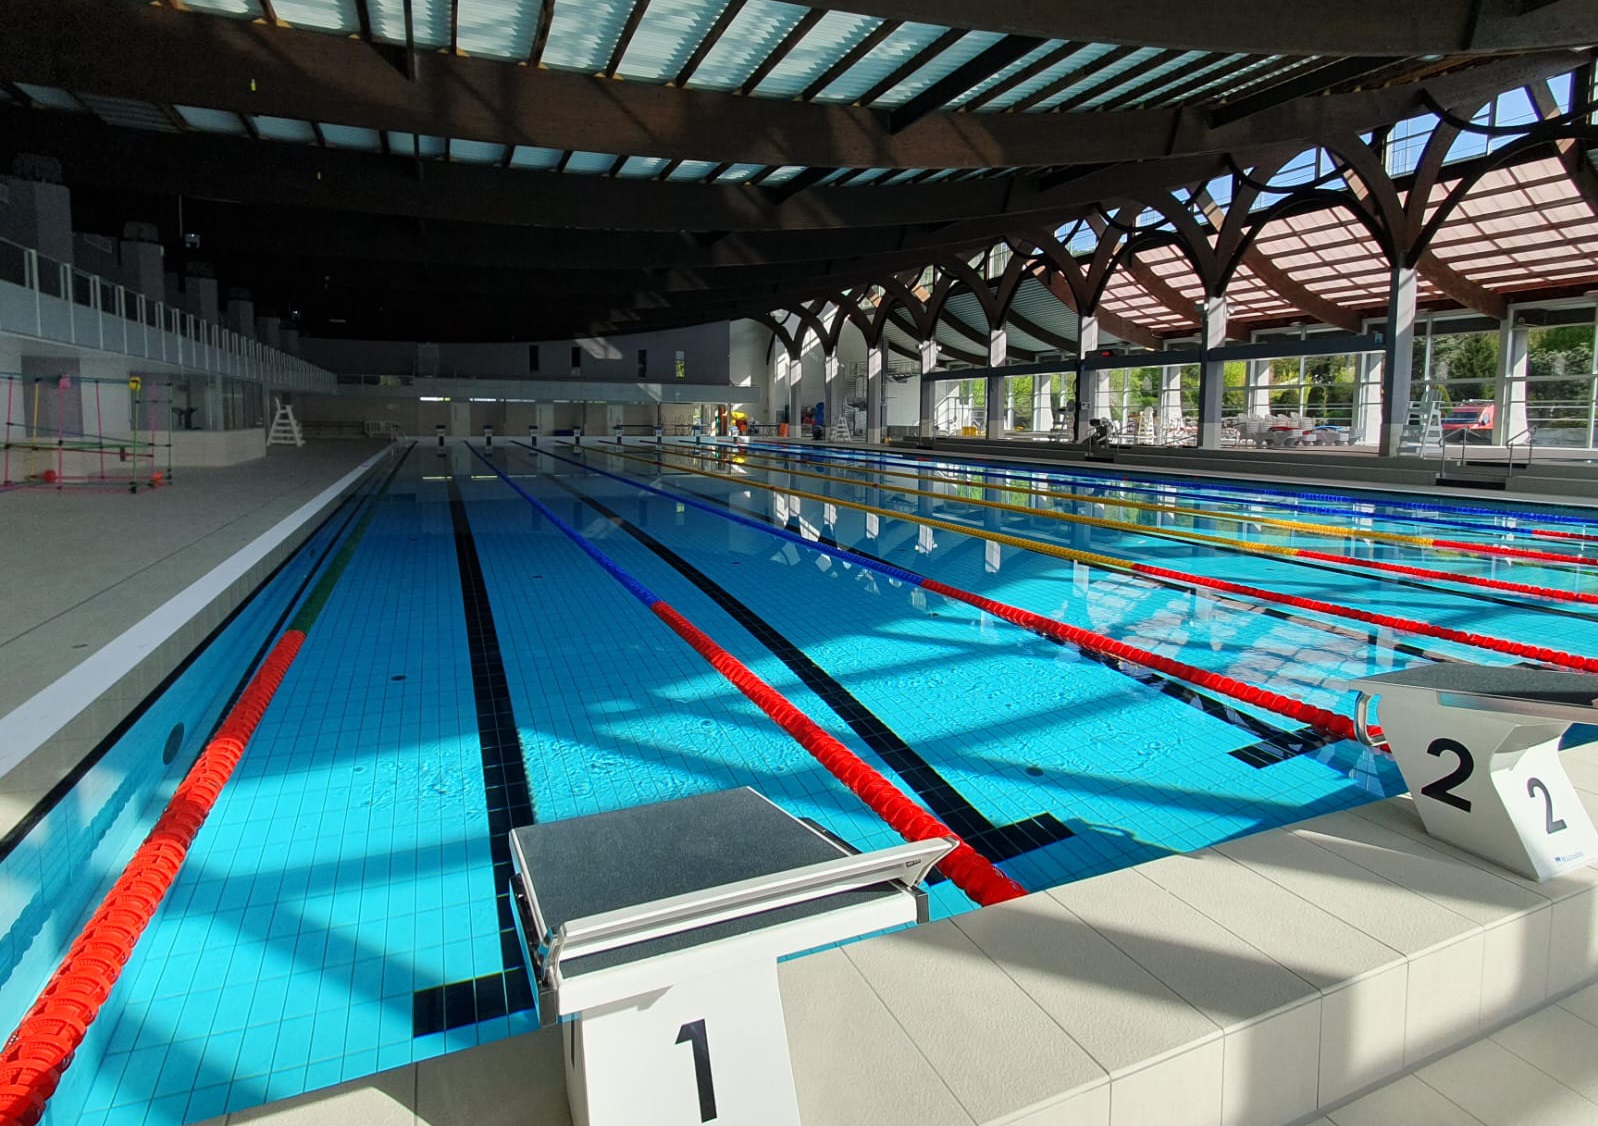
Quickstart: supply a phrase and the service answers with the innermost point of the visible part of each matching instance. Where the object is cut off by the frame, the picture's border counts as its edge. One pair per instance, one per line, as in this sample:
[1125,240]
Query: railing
[92,311]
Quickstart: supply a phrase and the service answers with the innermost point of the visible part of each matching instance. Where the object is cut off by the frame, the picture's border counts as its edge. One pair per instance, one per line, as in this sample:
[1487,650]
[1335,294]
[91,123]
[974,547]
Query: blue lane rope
[637,589]
[887,569]
[1090,479]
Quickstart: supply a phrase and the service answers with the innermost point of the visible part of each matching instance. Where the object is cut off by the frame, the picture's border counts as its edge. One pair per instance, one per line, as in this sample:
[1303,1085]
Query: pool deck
[80,569]
[1348,969]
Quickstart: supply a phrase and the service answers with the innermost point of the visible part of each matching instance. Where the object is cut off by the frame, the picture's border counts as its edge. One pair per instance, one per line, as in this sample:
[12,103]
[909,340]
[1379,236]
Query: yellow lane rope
[783,461]
[1091,521]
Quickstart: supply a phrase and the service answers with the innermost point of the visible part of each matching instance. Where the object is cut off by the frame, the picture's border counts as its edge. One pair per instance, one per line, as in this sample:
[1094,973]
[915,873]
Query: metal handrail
[1530,434]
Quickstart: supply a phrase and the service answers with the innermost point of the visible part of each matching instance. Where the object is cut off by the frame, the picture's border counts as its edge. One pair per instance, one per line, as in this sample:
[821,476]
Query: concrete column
[1212,373]
[240,316]
[831,389]
[266,330]
[288,339]
[1397,359]
[995,391]
[143,268]
[39,215]
[1042,403]
[1514,348]
[876,369]
[1367,423]
[995,402]
[1087,342]
[790,370]
[1257,396]
[204,301]
[929,386]
[1170,399]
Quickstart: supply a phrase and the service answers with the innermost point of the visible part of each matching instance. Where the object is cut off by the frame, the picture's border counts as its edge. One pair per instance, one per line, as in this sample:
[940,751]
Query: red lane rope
[1545,533]
[43,1044]
[1340,726]
[1406,625]
[1515,552]
[1448,576]
[971,872]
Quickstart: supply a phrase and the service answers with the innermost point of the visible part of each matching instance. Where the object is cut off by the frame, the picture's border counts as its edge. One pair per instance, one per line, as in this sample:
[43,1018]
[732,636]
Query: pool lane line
[41,808]
[1323,719]
[1565,562]
[1272,745]
[1543,654]
[726,509]
[1291,554]
[506,792]
[996,842]
[1458,547]
[1237,488]
[971,872]
[50,1033]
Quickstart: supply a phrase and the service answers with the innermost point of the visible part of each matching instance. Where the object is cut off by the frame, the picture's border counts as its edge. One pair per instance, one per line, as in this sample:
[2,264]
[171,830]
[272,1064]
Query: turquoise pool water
[339,913]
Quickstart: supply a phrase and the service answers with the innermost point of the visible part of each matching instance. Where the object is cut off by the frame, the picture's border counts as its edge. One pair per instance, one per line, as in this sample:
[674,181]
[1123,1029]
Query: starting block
[653,934]
[1479,749]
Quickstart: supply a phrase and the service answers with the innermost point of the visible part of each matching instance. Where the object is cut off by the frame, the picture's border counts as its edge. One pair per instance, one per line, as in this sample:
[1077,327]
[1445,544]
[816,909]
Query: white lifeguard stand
[1479,749]
[285,429]
[653,934]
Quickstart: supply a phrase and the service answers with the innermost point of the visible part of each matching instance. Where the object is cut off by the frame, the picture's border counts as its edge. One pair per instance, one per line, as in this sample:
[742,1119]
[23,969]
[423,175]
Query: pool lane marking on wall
[1166,576]
[46,1039]
[976,464]
[996,842]
[1272,744]
[968,869]
[509,798]
[784,464]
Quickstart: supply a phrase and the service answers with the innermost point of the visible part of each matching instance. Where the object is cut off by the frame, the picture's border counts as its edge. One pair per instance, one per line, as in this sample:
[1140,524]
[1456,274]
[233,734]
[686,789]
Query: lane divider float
[1322,719]
[1540,653]
[1225,543]
[971,872]
[1250,492]
[43,1045]
[1461,547]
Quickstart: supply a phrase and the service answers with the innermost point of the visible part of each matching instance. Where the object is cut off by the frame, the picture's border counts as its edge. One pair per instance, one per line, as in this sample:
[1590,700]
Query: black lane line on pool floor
[996,842]
[510,804]
[1273,745]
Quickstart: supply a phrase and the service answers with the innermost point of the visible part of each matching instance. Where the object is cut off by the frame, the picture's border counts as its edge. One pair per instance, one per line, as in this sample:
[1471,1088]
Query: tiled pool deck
[1271,980]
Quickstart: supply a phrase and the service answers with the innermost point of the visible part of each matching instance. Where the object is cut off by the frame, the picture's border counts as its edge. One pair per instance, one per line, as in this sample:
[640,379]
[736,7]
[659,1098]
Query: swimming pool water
[338,912]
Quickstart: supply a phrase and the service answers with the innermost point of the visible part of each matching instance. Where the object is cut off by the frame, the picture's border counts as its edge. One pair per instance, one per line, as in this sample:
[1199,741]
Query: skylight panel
[210,120]
[968,47]
[833,37]
[666,36]
[500,29]
[894,51]
[583,33]
[753,34]
[319,15]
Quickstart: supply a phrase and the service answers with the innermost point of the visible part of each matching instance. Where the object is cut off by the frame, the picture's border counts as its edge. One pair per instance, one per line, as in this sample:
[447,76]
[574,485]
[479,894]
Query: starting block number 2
[1526,815]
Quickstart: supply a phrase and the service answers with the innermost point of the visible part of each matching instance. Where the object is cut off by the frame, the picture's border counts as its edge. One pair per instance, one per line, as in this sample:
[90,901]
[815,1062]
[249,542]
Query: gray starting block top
[1569,689]
[587,866]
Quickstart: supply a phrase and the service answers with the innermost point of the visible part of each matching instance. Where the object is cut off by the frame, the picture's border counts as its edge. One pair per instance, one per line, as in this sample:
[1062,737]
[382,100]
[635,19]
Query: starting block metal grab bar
[1479,749]
[655,929]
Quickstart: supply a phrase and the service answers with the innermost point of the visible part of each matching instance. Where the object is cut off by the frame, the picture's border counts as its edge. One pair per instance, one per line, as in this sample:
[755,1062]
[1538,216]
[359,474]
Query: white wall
[707,357]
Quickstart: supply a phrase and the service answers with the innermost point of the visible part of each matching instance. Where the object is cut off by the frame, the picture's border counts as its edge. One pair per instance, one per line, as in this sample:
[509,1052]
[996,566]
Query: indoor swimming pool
[477,667]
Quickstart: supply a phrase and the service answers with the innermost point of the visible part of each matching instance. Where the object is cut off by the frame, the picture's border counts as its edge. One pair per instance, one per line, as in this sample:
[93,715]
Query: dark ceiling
[532,169]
